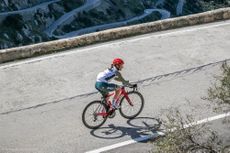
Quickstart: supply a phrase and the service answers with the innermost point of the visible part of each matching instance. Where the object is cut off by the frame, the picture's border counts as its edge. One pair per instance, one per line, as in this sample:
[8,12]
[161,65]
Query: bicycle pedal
[112,115]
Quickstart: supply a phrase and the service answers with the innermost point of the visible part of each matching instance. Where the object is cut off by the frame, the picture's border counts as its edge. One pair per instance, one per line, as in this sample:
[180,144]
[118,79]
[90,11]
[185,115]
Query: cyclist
[103,78]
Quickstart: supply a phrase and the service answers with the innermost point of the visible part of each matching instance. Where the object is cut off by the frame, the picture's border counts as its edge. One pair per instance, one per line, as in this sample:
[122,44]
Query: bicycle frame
[122,93]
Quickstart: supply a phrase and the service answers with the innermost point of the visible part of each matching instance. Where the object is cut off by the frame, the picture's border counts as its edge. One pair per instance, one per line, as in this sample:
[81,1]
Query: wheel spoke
[129,111]
[89,118]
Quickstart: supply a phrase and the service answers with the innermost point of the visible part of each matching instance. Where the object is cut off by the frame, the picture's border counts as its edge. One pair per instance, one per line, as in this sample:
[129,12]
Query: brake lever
[135,88]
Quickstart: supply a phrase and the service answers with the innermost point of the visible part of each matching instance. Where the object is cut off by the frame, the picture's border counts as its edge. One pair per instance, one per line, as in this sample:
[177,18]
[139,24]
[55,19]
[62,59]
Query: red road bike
[130,104]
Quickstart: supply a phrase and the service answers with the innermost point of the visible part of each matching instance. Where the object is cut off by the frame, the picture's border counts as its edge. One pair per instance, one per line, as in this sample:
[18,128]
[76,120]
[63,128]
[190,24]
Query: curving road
[42,98]
[65,75]
[89,4]
[27,11]
[179,9]
[165,14]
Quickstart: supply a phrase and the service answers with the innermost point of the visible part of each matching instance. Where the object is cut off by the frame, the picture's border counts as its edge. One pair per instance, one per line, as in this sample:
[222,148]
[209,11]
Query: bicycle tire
[86,123]
[123,101]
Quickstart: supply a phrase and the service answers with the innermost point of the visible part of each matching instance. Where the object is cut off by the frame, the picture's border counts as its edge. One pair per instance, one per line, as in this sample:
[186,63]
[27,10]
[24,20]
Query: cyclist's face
[121,67]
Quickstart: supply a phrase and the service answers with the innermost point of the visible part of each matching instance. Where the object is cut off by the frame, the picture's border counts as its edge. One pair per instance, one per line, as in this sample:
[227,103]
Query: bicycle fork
[127,98]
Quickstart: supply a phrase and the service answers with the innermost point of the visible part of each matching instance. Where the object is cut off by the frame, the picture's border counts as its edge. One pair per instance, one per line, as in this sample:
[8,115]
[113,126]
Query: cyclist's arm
[120,78]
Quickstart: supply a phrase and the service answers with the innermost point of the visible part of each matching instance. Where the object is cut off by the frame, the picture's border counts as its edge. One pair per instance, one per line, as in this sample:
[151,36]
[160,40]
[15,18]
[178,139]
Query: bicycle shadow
[139,128]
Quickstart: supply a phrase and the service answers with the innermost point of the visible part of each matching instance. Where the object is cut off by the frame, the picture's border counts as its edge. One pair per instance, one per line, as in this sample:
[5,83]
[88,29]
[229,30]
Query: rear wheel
[128,110]
[92,116]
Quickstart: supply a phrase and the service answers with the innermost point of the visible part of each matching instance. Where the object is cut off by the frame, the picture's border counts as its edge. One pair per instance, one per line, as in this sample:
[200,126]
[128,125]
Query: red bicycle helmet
[118,61]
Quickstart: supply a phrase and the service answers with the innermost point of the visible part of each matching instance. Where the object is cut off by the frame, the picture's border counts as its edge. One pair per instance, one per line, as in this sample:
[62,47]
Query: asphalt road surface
[42,98]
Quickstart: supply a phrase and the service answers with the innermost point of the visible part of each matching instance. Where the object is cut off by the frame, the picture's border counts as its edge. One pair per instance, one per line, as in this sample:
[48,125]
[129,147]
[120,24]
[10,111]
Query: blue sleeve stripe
[108,78]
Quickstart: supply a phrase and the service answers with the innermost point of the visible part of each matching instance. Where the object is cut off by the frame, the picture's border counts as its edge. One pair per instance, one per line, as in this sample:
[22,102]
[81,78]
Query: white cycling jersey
[106,75]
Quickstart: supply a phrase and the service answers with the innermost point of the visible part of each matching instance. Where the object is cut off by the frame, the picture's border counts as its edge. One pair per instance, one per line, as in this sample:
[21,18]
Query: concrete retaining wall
[11,54]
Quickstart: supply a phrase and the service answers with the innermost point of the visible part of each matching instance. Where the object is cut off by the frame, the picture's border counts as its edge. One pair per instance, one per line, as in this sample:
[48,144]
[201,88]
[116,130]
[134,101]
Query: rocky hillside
[24,22]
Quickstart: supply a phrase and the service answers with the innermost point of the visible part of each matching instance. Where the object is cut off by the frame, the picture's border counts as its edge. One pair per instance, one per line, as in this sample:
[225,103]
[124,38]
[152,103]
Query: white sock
[114,102]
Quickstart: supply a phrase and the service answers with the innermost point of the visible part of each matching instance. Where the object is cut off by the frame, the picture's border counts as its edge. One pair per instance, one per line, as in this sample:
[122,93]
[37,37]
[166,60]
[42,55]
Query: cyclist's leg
[101,87]
[105,88]
[117,89]
[117,93]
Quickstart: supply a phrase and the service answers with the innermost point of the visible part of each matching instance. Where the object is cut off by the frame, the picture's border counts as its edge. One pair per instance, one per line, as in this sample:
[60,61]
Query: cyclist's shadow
[138,127]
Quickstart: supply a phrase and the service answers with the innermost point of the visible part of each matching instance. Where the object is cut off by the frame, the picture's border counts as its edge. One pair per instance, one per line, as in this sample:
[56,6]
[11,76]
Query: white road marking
[144,138]
[88,48]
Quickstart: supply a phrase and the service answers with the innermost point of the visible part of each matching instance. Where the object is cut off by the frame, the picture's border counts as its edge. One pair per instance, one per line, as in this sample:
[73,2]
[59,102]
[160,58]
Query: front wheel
[132,105]
[94,114]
